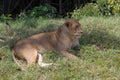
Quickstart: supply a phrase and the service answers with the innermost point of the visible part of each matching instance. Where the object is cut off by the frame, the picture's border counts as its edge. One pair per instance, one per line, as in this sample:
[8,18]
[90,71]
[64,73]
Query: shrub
[109,7]
[88,10]
[22,16]
[43,11]
[5,17]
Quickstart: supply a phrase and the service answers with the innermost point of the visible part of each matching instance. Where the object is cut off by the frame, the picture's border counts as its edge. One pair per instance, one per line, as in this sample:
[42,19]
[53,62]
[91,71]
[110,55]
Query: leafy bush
[5,17]
[88,10]
[109,7]
[101,7]
[22,16]
[43,11]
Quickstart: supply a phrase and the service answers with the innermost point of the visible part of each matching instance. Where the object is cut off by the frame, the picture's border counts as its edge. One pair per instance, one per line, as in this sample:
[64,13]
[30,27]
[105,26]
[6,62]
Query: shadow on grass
[96,36]
[101,38]
[25,31]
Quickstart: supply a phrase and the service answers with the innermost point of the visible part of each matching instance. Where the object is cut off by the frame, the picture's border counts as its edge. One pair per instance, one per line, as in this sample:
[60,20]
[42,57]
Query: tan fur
[61,40]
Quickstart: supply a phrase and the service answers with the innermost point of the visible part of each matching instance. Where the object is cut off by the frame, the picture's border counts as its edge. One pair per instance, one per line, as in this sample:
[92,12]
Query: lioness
[62,40]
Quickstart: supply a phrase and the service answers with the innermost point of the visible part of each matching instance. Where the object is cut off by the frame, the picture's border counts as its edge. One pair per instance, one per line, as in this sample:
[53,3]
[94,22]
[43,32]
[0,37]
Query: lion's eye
[76,27]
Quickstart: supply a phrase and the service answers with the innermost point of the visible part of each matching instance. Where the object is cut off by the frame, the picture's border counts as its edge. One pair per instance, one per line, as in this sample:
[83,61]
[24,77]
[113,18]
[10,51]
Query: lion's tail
[17,62]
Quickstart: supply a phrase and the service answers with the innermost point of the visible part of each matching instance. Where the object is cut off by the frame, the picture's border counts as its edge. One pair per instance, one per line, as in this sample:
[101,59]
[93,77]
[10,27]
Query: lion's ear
[65,27]
[67,24]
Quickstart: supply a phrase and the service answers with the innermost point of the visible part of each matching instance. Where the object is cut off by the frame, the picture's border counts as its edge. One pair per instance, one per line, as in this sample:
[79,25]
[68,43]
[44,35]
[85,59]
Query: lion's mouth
[77,36]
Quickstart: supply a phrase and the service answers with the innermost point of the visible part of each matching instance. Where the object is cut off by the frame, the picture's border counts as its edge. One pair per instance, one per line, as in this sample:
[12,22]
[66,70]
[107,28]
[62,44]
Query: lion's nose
[81,31]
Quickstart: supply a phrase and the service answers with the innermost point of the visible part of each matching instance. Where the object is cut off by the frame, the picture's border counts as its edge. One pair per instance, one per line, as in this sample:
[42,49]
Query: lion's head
[73,28]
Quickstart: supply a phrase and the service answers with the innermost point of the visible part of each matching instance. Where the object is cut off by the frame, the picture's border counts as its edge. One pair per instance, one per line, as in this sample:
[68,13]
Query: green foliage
[43,11]
[5,17]
[22,16]
[109,7]
[101,7]
[89,9]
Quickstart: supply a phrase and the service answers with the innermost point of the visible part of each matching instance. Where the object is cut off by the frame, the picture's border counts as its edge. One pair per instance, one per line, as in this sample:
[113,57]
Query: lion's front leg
[68,54]
[76,45]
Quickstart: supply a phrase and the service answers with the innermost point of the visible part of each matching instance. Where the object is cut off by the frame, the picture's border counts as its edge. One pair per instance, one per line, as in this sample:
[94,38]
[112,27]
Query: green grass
[99,54]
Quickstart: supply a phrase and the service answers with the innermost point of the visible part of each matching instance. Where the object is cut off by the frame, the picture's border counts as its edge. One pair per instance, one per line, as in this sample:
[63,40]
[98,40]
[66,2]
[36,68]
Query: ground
[99,54]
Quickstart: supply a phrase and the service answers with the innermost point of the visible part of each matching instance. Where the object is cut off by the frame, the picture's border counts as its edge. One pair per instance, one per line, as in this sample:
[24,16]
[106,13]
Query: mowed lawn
[99,54]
